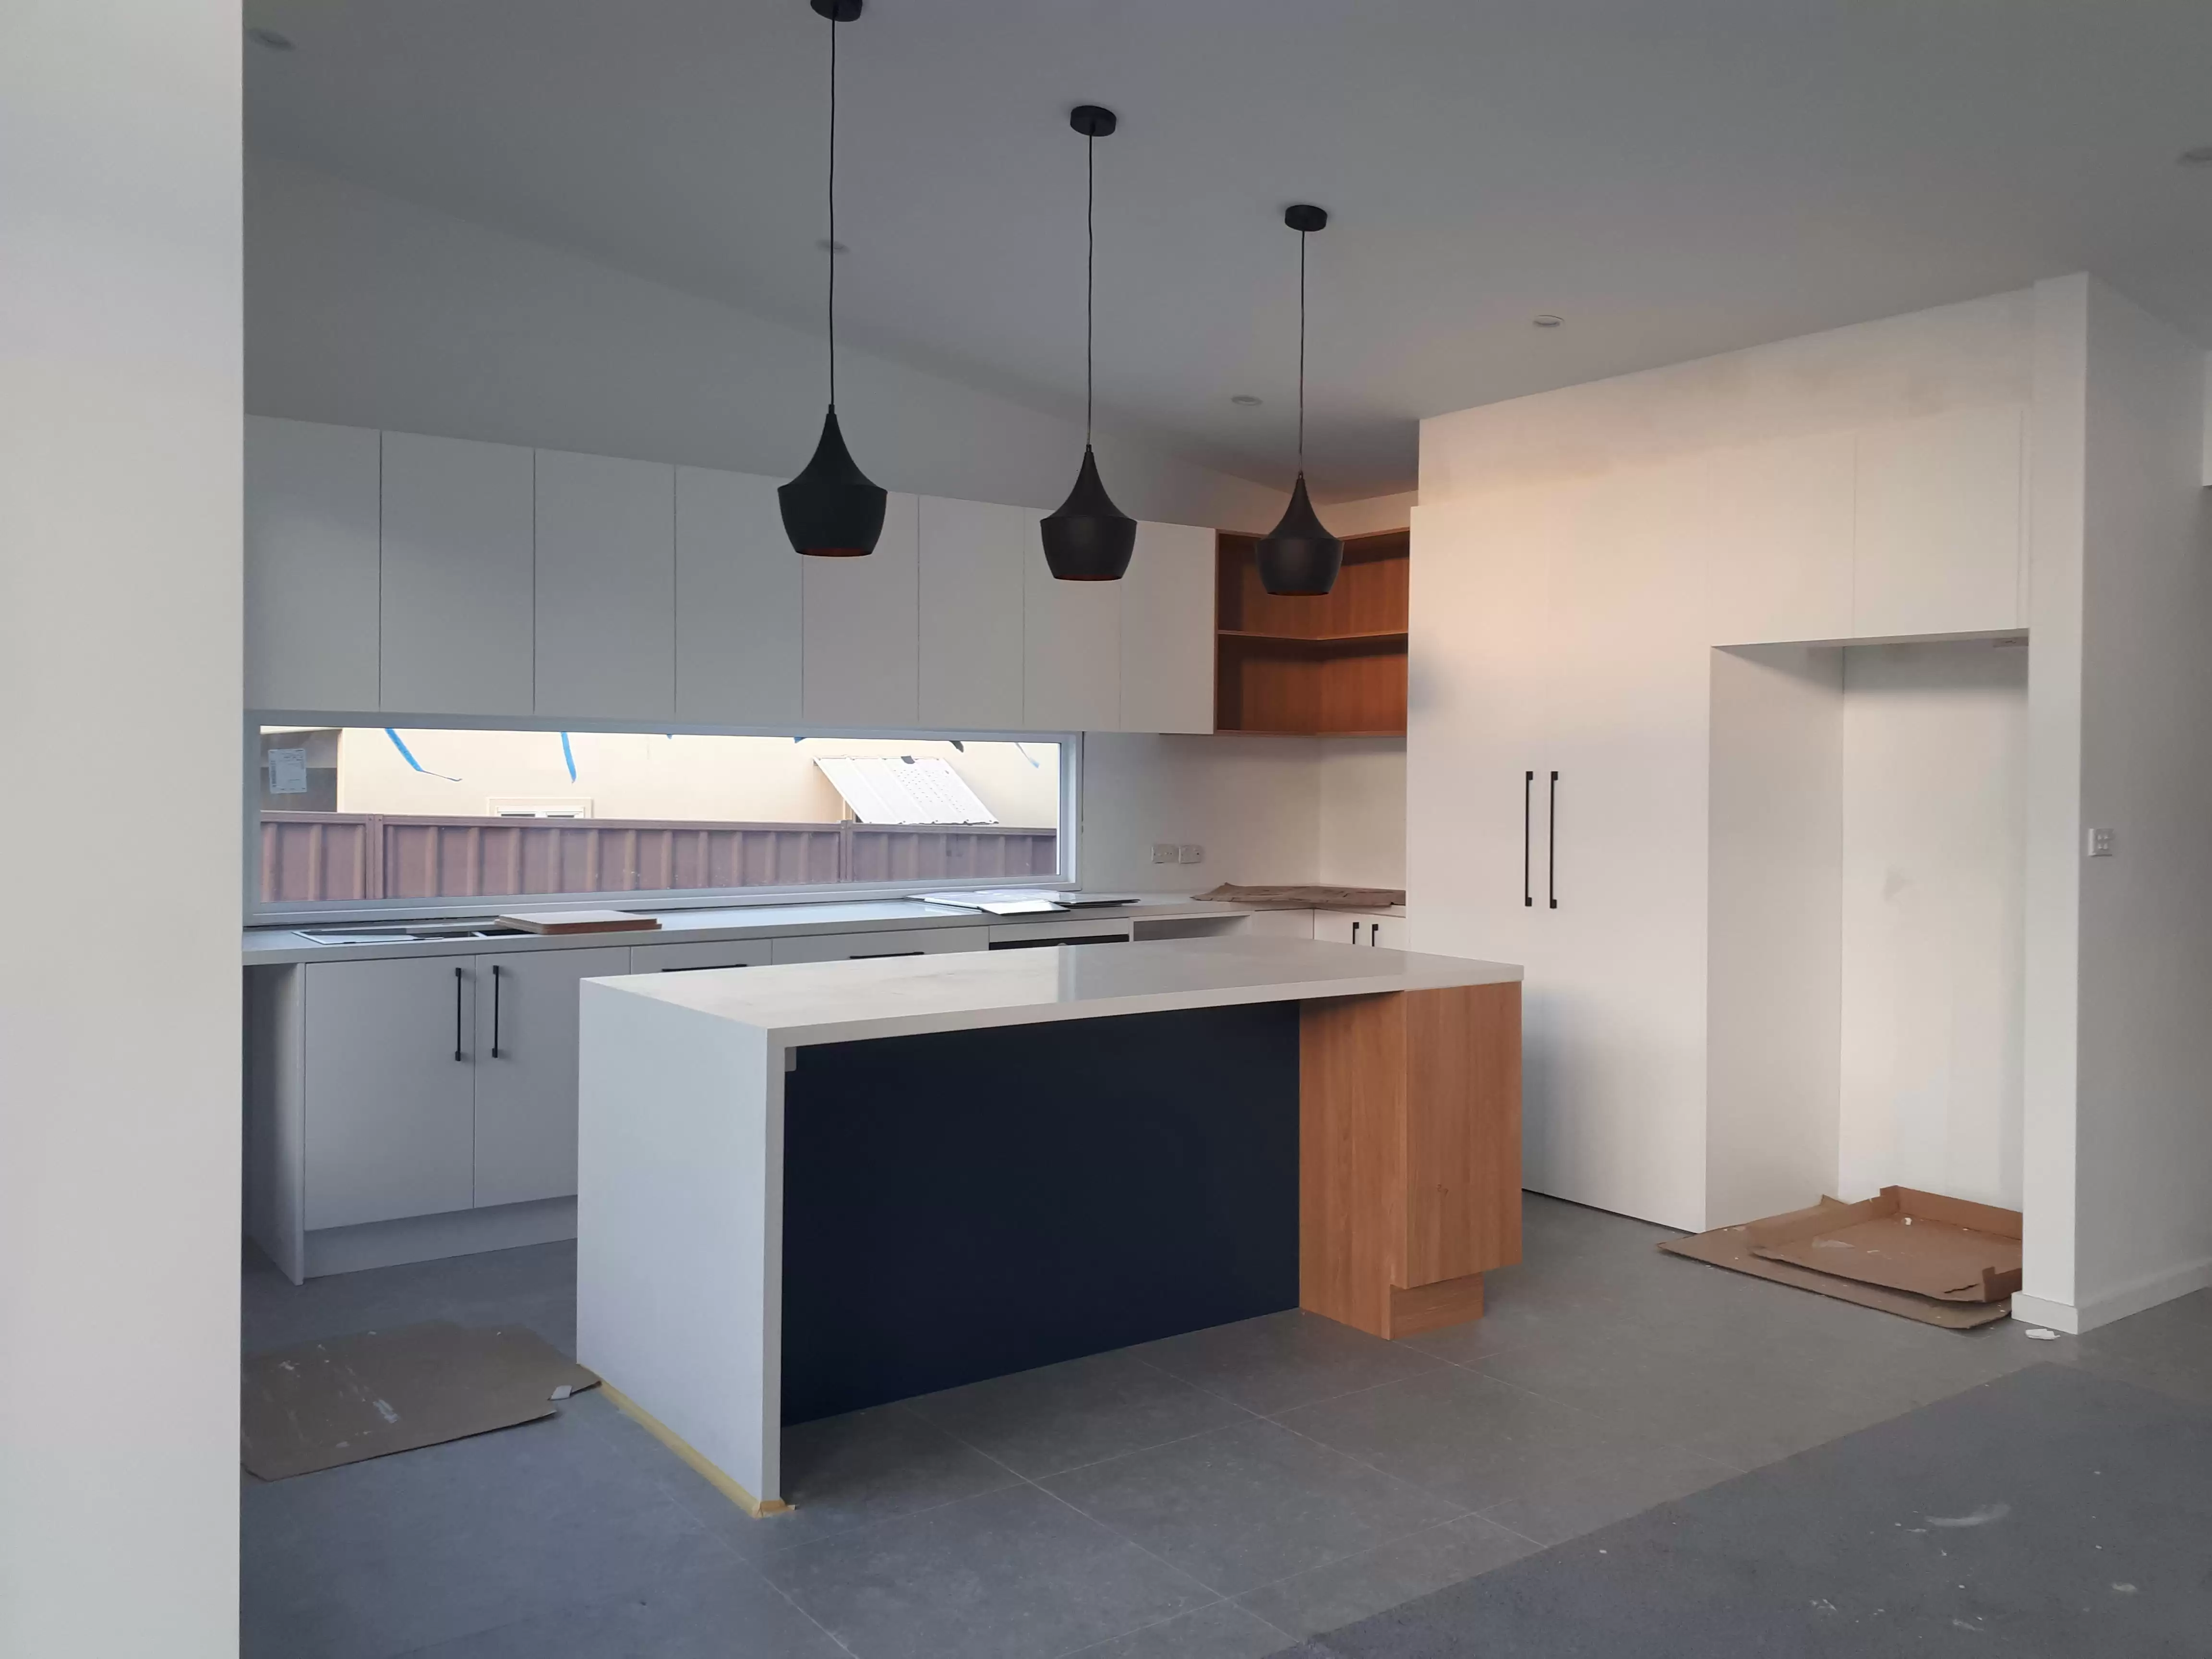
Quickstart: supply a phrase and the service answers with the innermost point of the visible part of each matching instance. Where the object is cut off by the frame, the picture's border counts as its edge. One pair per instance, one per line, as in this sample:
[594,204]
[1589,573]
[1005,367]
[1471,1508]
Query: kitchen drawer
[683,958]
[1378,927]
[891,942]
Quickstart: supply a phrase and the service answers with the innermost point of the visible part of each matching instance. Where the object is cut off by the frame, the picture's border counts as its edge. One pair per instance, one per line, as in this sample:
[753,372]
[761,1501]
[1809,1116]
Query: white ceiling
[1673,177]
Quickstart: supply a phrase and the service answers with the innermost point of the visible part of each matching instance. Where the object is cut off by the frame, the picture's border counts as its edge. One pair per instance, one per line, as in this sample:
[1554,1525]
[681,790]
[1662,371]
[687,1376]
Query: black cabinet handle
[878,956]
[1527,796]
[1551,844]
[494,1011]
[457,1014]
[1374,932]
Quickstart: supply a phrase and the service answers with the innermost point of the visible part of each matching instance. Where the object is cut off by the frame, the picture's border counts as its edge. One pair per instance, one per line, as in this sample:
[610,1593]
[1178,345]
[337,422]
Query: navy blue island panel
[968,1204]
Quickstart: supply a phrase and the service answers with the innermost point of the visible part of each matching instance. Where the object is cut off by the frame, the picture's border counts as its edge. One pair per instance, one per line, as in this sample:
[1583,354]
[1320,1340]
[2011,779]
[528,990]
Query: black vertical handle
[1551,844]
[1528,794]
[457,1014]
[494,1011]
[1374,932]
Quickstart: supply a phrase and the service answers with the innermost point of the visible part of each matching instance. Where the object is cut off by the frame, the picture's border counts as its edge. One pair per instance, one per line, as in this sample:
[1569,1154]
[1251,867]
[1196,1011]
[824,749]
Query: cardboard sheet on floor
[1933,1246]
[323,1404]
[1733,1247]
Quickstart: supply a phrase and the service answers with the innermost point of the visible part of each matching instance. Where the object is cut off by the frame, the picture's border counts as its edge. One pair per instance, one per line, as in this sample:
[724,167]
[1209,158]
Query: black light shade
[1299,556]
[1089,539]
[831,510]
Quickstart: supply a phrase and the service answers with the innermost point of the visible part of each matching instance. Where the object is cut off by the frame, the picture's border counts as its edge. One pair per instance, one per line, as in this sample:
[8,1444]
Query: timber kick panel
[964,1205]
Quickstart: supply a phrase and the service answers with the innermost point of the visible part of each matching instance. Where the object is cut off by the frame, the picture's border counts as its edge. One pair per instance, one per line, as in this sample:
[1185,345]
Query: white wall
[2143,1216]
[1369,513]
[1932,894]
[1361,836]
[120,604]
[365,310]
[1773,989]
[1972,354]
[1251,802]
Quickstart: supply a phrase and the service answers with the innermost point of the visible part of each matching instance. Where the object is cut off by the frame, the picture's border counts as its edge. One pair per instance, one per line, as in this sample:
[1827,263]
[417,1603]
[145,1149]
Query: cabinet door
[1278,924]
[458,635]
[1778,563]
[890,942]
[863,631]
[971,613]
[388,1108]
[1167,631]
[605,603]
[737,625]
[686,958]
[525,1046]
[1937,548]
[1071,650]
[311,566]
[1613,1002]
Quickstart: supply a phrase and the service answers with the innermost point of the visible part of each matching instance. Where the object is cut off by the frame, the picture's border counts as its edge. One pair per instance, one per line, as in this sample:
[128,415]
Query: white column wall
[120,671]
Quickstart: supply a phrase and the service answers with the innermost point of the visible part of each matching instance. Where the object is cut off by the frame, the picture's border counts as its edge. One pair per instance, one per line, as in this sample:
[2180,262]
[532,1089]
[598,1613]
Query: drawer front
[891,942]
[684,958]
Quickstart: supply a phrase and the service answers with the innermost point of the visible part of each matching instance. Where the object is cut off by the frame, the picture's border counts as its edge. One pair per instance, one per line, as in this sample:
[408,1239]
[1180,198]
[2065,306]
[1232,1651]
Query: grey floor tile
[1280,1361]
[867,1466]
[1468,1438]
[1009,1575]
[1223,1630]
[535,1285]
[2168,1348]
[387,1556]
[1325,1597]
[1580,1495]
[720,1610]
[1241,1507]
[1060,1417]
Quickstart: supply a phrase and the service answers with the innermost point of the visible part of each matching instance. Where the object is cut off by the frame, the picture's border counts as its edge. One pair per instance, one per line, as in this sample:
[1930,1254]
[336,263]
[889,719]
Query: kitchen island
[808,1189]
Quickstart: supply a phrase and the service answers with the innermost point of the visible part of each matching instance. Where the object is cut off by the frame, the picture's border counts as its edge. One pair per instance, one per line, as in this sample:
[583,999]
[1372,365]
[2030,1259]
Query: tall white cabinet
[1559,743]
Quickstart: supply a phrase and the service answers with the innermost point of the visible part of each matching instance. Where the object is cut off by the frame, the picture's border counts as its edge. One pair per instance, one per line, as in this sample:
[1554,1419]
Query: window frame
[258,914]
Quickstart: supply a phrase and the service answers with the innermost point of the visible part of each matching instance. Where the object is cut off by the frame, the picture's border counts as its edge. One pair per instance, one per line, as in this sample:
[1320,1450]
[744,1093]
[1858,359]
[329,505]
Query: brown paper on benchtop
[1309,898]
[324,1404]
[1730,1247]
[1933,1246]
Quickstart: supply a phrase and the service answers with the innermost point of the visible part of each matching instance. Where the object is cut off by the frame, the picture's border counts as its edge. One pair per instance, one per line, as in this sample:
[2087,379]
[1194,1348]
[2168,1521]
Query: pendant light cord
[833,213]
[1090,263]
[1302,354]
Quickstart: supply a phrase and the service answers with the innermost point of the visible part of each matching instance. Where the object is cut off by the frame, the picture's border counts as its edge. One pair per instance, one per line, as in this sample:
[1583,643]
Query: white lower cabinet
[1279,924]
[388,1093]
[687,958]
[891,942]
[525,1061]
[425,1085]
[1384,928]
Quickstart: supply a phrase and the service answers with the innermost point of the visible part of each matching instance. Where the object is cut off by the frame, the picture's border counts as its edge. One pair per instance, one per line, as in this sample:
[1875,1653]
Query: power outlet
[1163,852]
[1190,852]
[2100,844]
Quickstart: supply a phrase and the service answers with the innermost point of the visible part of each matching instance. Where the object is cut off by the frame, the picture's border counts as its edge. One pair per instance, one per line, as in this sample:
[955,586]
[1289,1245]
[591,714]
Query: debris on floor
[1941,1261]
[324,1404]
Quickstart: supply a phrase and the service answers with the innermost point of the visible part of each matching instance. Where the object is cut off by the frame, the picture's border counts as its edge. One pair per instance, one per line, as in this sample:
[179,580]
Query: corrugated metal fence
[307,856]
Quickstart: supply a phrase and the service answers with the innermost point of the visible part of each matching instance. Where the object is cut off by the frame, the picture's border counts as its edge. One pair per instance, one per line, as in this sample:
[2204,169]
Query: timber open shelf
[1331,666]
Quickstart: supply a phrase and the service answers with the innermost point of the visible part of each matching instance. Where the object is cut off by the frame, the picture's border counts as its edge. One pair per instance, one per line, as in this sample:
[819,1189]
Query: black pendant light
[1089,539]
[831,510]
[1298,555]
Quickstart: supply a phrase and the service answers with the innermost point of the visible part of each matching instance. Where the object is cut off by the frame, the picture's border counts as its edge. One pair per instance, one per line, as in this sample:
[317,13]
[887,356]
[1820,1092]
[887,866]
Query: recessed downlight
[1245,400]
[271,39]
[1546,319]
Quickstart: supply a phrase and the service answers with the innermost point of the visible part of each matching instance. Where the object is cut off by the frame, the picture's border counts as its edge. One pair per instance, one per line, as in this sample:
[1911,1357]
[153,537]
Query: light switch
[1163,852]
[1190,852]
[2100,844]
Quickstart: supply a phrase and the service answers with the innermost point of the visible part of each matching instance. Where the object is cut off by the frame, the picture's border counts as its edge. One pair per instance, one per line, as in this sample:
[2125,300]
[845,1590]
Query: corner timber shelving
[1329,666]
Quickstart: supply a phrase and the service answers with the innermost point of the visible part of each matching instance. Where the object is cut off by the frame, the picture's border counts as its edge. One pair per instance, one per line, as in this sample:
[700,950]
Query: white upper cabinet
[311,566]
[863,630]
[736,602]
[1071,650]
[971,556]
[1937,546]
[1777,524]
[605,587]
[1167,631]
[457,631]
